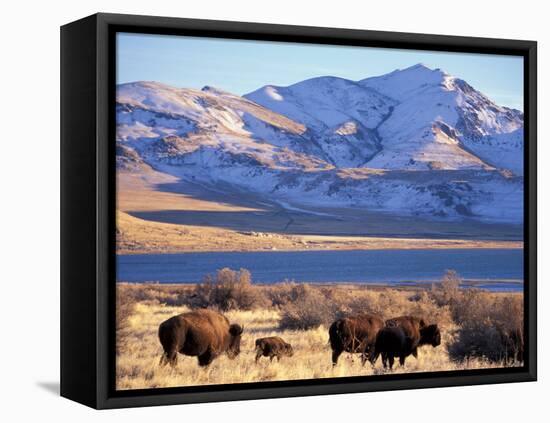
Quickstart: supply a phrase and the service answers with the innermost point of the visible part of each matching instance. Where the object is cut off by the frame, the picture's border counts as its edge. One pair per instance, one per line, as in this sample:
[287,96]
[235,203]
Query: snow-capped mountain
[210,127]
[415,141]
[424,118]
[442,121]
[341,115]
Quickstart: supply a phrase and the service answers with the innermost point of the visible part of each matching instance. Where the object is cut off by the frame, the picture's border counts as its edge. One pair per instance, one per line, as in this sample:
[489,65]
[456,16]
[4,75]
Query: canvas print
[293,211]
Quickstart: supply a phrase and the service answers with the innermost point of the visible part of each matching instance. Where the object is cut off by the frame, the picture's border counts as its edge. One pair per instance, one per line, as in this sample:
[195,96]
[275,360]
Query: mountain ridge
[329,141]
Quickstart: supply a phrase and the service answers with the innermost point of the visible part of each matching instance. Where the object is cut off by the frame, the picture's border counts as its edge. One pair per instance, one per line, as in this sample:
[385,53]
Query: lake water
[495,269]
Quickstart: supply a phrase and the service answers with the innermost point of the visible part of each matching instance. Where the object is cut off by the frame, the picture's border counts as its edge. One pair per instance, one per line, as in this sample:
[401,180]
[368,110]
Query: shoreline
[268,242]
[422,244]
[409,285]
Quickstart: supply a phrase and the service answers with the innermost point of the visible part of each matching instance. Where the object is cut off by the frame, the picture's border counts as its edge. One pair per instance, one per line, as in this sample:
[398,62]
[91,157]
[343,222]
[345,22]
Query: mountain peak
[402,83]
[324,102]
[270,92]
[325,79]
[419,66]
[422,68]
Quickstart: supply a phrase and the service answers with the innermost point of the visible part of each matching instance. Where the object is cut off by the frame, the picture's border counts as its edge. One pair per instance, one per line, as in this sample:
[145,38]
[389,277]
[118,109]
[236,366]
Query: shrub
[448,290]
[309,309]
[228,290]
[282,293]
[485,323]
[125,303]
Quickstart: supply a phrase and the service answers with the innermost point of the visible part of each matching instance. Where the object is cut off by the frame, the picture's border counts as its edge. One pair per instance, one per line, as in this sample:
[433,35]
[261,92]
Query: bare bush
[310,306]
[125,303]
[448,290]
[282,293]
[228,290]
[309,309]
[490,326]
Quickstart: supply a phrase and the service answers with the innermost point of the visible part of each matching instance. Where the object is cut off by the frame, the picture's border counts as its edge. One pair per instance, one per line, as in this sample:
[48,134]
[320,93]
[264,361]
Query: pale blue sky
[241,66]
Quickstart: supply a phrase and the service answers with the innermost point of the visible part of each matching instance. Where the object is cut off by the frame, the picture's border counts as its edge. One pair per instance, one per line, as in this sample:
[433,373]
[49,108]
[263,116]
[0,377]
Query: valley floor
[159,214]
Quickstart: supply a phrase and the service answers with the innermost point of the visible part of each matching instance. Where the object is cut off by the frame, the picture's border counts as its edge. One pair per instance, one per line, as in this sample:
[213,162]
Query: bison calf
[273,346]
[202,333]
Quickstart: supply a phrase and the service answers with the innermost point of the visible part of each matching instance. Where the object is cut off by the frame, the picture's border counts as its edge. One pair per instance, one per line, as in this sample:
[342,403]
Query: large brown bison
[202,333]
[272,347]
[354,334]
[411,326]
[394,341]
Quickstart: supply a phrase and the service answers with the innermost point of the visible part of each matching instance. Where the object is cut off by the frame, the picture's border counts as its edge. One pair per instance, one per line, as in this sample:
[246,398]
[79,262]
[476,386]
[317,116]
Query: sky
[242,66]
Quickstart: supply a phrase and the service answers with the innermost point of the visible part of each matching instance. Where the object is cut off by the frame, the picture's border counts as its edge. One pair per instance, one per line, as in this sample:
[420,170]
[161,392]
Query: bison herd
[206,334]
[372,337]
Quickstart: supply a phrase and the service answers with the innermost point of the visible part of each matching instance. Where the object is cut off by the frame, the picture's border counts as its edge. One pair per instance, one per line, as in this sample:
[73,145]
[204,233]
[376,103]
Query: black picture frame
[88,211]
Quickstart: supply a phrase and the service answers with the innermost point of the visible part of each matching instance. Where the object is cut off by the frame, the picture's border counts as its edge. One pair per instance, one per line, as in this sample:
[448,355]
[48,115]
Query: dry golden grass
[139,350]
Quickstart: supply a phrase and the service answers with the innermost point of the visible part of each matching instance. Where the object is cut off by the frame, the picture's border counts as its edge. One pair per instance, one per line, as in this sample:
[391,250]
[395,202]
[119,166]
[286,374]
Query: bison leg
[373,357]
[385,359]
[370,354]
[401,360]
[169,358]
[415,353]
[519,355]
[206,358]
[335,355]
[271,357]
[392,360]
[258,355]
[366,355]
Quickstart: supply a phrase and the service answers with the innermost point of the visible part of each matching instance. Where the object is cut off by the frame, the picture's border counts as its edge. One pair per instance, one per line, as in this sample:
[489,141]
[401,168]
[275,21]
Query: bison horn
[236,329]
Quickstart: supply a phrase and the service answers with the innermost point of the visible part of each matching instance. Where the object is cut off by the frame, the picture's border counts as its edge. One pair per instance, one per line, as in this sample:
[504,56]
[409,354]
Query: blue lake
[494,269]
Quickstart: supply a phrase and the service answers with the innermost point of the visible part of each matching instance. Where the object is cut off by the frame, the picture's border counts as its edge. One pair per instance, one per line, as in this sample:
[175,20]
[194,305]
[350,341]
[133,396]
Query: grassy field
[301,316]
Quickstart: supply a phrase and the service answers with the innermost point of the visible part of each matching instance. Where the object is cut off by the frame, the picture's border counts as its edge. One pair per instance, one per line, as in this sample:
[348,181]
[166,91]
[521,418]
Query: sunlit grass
[140,351]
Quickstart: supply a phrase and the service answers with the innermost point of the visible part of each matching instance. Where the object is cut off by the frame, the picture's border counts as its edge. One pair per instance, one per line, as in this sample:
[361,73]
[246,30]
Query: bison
[202,333]
[395,341]
[411,326]
[354,334]
[271,347]
[392,341]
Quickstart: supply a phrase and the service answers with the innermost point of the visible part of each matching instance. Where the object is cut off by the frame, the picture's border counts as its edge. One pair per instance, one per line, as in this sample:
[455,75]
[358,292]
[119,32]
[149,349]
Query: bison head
[288,350]
[430,335]
[235,332]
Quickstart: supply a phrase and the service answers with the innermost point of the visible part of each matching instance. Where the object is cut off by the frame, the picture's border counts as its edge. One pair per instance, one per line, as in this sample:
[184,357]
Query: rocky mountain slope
[414,142]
